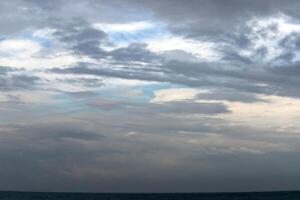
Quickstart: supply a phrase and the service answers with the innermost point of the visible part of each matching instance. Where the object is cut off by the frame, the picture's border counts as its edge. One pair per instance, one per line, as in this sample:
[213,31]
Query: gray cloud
[15,81]
[215,18]
[155,108]
[260,80]
[134,52]
[4,70]
[86,82]
[80,37]
[30,14]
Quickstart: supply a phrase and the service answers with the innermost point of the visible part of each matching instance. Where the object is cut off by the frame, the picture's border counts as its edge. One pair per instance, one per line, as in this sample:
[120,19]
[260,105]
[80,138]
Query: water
[157,196]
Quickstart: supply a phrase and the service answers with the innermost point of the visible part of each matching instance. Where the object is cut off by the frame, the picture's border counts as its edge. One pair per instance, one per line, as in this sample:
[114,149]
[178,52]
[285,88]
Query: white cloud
[19,48]
[126,27]
[174,94]
[264,36]
[275,114]
[38,62]
[44,33]
[200,49]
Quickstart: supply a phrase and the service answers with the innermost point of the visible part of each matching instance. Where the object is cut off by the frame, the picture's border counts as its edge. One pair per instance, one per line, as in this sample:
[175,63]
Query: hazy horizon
[149,96]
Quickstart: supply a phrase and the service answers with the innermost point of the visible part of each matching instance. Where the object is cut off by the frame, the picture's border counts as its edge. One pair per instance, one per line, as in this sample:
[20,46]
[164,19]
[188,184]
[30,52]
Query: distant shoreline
[66,192]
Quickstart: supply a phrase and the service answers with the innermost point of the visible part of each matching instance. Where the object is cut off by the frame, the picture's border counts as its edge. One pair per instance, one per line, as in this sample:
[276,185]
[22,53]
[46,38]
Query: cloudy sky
[149,96]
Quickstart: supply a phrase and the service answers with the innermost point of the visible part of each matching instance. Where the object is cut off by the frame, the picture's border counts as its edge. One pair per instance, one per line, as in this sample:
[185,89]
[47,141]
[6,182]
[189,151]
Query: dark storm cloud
[215,18]
[94,153]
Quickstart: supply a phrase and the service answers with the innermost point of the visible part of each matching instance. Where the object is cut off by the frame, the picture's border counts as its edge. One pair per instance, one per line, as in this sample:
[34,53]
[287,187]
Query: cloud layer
[148,96]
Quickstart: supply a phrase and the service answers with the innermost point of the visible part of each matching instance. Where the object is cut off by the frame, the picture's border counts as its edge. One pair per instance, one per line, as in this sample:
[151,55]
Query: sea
[293,195]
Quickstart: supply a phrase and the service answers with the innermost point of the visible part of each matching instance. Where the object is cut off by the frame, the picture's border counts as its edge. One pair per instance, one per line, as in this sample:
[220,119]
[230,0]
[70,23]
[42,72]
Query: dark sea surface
[154,196]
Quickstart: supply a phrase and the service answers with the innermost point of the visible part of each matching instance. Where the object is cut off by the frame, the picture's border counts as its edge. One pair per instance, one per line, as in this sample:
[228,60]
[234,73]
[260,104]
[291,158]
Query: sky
[149,96]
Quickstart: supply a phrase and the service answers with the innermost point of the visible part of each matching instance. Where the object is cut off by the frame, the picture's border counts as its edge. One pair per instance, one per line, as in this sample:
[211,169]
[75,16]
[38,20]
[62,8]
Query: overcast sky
[149,96]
